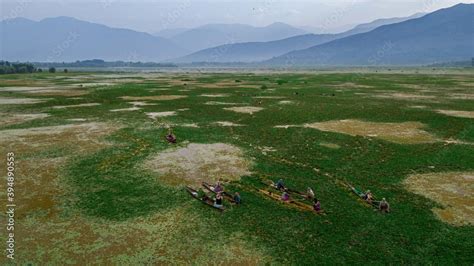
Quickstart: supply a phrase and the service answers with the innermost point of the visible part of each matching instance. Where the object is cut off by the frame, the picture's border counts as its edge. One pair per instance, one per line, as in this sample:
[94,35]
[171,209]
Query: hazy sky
[155,15]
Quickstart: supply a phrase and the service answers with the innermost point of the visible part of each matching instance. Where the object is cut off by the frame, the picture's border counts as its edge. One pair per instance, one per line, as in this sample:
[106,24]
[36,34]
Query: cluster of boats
[303,201]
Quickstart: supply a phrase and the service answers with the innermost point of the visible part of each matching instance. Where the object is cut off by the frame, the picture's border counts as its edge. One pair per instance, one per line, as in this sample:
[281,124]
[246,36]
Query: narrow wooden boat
[226,195]
[208,201]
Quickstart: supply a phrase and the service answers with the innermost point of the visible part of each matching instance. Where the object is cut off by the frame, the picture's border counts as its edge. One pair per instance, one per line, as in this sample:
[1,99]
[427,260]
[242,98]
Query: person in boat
[218,187]
[285,196]
[368,196]
[204,197]
[280,185]
[170,136]
[218,200]
[316,205]
[309,193]
[237,198]
[384,206]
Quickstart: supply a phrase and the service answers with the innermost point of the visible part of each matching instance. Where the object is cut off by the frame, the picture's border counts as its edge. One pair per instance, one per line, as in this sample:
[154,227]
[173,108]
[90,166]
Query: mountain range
[259,51]
[444,35]
[422,39]
[212,35]
[68,39]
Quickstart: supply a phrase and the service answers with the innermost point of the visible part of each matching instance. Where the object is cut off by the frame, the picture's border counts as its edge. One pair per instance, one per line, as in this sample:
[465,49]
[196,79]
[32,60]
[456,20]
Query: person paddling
[237,198]
[218,200]
[309,193]
[368,196]
[384,206]
[285,196]
[218,187]
[170,137]
[317,205]
[280,185]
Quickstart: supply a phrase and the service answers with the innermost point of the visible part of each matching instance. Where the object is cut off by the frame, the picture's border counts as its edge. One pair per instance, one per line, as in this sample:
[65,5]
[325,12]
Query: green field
[90,150]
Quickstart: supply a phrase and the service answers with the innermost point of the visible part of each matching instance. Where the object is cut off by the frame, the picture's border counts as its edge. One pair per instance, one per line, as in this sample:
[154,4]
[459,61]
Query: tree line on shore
[22,68]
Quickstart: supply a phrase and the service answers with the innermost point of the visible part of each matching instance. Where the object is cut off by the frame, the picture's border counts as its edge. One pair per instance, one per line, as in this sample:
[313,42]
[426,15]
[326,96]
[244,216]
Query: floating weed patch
[404,133]
[104,189]
[452,190]
[199,162]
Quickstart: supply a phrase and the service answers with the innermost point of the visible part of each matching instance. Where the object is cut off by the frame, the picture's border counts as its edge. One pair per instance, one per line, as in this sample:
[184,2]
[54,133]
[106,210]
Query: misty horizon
[153,17]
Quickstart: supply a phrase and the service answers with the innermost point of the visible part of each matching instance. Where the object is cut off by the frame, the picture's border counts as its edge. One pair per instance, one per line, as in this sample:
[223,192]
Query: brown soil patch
[220,103]
[350,85]
[405,96]
[154,98]
[418,106]
[462,96]
[40,173]
[404,133]
[58,92]
[30,140]
[226,84]
[329,145]
[199,162]
[463,114]
[130,109]
[23,89]
[244,109]
[10,119]
[228,124]
[154,115]
[5,100]
[76,105]
[285,126]
[193,125]
[452,190]
[138,103]
[216,95]
[95,84]
[268,97]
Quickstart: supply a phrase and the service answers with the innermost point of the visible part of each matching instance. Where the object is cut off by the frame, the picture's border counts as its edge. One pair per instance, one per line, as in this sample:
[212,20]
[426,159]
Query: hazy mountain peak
[444,35]
[212,35]
[70,39]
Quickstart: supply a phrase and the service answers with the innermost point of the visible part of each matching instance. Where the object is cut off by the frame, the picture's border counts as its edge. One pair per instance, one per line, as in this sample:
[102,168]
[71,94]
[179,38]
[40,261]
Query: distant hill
[170,33]
[219,34]
[254,51]
[467,63]
[366,27]
[444,35]
[259,51]
[68,39]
